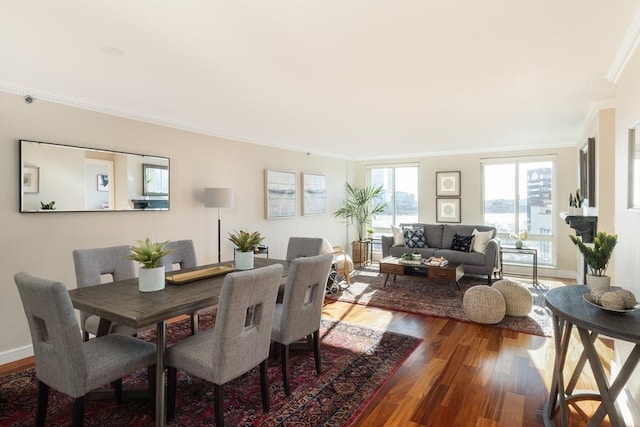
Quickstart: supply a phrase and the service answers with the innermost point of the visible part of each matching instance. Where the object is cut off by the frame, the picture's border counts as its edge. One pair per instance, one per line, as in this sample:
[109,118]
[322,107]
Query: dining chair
[303,247]
[237,343]
[66,363]
[182,254]
[298,315]
[90,267]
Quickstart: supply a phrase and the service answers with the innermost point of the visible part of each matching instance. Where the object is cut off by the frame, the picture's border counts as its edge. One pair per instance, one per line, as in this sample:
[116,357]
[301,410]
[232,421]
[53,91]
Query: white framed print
[280,194]
[448,184]
[447,210]
[30,179]
[314,194]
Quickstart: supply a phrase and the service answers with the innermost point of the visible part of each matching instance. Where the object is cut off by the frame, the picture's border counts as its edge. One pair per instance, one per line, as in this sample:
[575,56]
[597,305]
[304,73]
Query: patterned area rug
[417,294]
[356,362]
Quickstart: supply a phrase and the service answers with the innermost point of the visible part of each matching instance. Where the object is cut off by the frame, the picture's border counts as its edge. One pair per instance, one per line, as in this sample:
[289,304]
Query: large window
[400,184]
[518,195]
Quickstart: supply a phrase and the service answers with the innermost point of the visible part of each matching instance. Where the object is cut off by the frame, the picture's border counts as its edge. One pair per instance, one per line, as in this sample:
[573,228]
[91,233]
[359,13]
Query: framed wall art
[103,182]
[314,197]
[30,179]
[280,194]
[448,184]
[447,210]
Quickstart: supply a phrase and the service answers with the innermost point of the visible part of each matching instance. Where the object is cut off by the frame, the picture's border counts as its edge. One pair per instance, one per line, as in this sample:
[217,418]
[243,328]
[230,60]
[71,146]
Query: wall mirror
[80,179]
[634,167]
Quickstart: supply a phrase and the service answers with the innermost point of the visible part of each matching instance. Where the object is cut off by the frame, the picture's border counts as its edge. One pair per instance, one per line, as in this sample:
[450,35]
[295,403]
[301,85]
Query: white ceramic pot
[578,211]
[598,281]
[151,279]
[244,260]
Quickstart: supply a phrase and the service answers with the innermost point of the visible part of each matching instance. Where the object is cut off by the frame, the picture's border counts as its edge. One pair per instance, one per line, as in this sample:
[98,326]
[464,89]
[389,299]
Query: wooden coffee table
[450,273]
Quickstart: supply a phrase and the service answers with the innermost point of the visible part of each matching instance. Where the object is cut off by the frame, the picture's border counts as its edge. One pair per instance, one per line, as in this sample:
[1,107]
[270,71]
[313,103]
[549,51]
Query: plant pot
[244,260]
[578,211]
[357,255]
[598,282]
[151,279]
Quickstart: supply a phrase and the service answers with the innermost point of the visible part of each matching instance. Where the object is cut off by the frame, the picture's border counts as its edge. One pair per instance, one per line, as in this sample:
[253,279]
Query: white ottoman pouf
[517,297]
[484,304]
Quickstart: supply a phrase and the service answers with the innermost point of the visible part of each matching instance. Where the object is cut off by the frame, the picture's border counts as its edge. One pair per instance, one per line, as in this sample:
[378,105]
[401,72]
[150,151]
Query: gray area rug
[417,294]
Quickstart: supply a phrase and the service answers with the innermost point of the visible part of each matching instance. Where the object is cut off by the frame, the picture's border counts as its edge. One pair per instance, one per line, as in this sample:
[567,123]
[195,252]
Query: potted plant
[519,237]
[359,209]
[575,203]
[149,254]
[370,232]
[245,244]
[597,257]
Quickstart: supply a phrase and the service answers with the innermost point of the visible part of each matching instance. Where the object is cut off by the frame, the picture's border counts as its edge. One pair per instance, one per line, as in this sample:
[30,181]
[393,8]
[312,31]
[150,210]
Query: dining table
[121,302]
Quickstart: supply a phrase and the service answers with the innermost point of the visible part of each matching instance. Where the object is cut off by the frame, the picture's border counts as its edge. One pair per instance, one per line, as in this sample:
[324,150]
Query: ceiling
[350,79]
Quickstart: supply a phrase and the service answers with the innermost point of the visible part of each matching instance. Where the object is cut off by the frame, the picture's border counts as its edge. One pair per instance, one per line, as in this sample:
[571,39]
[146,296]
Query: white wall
[41,243]
[627,222]
[471,195]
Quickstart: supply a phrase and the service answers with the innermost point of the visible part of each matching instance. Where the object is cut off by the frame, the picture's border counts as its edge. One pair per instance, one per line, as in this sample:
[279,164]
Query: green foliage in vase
[244,240]
[48,206]
[148,253]
[597,256]
[361,206]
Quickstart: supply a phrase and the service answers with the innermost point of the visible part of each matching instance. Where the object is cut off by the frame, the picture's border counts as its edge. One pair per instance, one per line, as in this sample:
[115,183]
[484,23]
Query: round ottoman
[517,297]
[484,304]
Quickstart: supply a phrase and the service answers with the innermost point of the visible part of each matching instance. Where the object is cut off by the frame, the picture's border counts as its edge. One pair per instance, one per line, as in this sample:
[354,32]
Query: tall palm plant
[361,206]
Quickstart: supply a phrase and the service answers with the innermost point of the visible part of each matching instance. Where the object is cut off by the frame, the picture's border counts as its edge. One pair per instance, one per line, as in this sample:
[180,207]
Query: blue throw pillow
[461,243]
[414,237]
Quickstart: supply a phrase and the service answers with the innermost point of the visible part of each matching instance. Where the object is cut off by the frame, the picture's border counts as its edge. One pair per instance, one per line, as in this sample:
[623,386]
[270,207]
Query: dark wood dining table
[123,303]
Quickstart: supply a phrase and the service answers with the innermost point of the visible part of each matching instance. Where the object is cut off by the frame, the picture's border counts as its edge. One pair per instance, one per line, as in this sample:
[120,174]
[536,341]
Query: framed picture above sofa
[447,210]
[448,184]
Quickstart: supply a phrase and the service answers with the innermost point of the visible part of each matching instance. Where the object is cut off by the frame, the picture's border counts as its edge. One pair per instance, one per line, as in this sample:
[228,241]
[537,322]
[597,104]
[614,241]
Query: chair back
[182,253]
[57,344]
[242,333]
[91,264]
[299,314]
[303,247]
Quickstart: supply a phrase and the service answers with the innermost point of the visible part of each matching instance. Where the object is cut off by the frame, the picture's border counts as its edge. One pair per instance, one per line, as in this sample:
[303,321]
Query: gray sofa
[439,238]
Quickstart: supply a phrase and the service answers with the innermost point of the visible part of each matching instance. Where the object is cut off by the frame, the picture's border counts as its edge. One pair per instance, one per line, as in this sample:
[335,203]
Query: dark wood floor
[461,374]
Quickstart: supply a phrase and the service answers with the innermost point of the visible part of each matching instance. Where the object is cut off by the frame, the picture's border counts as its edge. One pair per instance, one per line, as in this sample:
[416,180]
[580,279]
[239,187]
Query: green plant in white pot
[597,257]
[151,273]
[246,243]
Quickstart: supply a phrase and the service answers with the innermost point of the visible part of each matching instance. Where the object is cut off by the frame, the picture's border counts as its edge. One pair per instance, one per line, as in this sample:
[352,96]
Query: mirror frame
[35,175]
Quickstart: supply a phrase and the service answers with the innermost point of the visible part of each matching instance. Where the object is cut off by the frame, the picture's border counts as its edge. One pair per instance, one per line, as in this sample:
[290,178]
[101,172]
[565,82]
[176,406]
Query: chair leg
[172,382]
[316,349]
[194,323]
[151,379]
[85,336]
[284,349]
[78,412]
[43,400]
[218,397]
[264,385]
[117,389]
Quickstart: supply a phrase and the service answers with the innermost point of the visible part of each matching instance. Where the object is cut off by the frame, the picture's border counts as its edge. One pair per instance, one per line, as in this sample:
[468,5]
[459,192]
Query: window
[518,195]
[400,184]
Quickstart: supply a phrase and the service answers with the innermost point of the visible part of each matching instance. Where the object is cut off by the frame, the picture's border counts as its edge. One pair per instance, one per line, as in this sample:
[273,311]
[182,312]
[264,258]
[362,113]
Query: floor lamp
[218,198]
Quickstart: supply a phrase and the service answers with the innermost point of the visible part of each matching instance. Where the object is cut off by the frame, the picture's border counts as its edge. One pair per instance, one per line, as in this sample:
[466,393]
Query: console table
[569,309]
[523,251]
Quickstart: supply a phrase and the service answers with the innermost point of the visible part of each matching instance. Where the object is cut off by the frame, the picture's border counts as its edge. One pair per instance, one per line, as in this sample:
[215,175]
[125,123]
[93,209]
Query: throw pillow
[414,237]
[461,243]
[398,236]
[480,240]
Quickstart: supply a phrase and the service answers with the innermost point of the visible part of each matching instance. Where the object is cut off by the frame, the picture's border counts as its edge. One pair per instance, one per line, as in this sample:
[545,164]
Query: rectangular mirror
[80,179]
[634,167]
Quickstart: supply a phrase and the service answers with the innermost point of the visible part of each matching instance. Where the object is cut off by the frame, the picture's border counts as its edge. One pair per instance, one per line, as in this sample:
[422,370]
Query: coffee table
[451,272]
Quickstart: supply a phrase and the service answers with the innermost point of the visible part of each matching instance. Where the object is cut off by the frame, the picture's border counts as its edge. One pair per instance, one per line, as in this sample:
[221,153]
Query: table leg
[557,397]
[161,328]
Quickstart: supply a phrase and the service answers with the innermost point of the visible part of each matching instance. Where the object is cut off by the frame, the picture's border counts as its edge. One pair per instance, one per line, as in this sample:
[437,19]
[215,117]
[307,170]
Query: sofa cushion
[466,258]
[480,240]
[414,237]
[461,243]
[398,235]
[434,235]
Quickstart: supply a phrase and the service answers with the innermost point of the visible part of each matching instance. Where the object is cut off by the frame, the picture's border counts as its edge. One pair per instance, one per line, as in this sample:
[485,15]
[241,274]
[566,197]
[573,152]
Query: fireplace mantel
[585,226]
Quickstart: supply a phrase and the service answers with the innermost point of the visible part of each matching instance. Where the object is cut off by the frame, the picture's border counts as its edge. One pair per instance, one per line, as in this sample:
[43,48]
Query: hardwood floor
[460,375]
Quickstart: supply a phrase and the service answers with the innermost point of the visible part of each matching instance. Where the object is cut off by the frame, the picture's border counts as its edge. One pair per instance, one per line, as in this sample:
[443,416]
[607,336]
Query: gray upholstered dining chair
[90,266]
[66,363]
[303,247]
[299,314]
[237,343]
[182,253]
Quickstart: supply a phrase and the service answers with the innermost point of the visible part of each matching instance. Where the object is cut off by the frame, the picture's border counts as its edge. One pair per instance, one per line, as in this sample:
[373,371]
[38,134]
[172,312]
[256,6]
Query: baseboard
[16,354]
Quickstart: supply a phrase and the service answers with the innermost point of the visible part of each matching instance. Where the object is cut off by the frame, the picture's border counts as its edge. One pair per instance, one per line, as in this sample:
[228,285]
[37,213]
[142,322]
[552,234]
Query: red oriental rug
[356,362]
[417,294]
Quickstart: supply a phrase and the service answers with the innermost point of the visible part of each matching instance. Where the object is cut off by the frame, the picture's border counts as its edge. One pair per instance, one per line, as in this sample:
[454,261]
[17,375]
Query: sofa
[479,252]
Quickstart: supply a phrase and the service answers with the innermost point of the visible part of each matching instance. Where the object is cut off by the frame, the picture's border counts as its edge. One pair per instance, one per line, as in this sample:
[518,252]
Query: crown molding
[628,46]
[592,112]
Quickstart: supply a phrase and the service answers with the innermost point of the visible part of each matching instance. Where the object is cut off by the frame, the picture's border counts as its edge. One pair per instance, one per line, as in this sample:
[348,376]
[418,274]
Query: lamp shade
[218,197]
